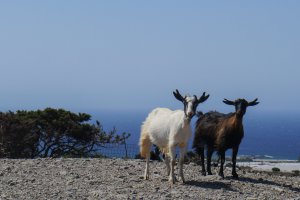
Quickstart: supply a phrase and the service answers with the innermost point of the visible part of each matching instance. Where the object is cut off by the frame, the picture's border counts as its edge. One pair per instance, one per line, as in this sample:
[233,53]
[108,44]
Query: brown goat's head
[241,105]
[190,103]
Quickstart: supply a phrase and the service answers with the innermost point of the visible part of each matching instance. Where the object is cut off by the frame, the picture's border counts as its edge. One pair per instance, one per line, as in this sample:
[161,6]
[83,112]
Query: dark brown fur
[220,132]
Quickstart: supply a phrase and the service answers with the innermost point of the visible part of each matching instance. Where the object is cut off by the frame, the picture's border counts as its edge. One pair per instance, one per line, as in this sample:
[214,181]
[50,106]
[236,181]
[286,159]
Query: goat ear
[199,113]
[253,103]
[228,102]
[178,96]
[203,98]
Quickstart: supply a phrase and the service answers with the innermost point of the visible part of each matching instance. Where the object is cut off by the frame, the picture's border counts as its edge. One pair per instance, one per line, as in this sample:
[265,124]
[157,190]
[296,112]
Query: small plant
[192,157]
[296,172]
[275,169]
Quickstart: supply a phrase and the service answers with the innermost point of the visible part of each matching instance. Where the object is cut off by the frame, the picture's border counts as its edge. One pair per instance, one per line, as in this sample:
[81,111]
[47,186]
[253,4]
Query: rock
[69,182]
[168,195]
[277,189]
[76,176]
[63,173]
[7,168]
[11,183]
[97,193]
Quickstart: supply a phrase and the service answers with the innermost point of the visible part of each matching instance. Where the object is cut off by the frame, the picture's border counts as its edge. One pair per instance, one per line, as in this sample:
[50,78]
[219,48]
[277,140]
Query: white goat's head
[190,103]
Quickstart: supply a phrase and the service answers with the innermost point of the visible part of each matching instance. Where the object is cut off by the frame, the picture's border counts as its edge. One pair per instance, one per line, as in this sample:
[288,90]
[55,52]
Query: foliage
[296,172]
[19,137]
[192,157]
[154,154]
[52,133]
[275,169]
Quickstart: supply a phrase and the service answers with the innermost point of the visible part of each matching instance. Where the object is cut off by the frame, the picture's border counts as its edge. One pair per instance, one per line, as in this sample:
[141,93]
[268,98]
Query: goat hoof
[209,173]
[221,176]
[183,180]
[172,181]
[203,173]
[175,179]
[235,176]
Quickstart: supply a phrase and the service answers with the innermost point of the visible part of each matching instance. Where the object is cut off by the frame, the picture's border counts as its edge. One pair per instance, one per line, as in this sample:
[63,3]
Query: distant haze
[131,55]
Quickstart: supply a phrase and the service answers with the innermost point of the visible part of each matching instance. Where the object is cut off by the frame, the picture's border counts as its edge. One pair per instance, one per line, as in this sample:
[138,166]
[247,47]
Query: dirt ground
[122,179]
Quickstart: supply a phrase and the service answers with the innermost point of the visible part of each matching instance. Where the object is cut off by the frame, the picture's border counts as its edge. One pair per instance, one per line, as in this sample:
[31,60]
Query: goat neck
[187,120]
[240,114]
[237,119]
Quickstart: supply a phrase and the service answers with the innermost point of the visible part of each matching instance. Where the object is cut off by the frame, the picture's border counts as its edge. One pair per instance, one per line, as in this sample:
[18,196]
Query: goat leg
[146,175]
[222,155]
[201,153]
[234,154]
[181,161]
[172,178]
[167,161]
[209,155]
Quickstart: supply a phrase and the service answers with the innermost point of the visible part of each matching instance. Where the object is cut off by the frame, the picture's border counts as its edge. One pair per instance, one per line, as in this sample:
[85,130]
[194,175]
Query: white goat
[168,129]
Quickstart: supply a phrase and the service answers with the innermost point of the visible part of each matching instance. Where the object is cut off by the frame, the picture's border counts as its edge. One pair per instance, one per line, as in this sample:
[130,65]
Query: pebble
[277,189]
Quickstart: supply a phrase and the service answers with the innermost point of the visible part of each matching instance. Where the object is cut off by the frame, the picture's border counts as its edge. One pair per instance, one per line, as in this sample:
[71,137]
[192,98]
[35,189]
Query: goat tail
[145,144]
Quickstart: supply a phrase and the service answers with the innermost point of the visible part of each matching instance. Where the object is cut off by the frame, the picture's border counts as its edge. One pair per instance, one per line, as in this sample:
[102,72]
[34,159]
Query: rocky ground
[121,179]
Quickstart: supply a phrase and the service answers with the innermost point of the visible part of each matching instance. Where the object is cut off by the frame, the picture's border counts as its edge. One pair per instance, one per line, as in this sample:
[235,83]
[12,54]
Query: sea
[274,135]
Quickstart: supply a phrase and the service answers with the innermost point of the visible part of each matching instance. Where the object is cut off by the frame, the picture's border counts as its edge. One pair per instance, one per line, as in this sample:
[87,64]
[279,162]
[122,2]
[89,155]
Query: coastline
[269,164]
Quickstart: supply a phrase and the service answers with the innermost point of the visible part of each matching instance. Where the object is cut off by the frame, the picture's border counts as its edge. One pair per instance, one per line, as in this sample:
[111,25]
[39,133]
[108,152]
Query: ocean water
[272,134]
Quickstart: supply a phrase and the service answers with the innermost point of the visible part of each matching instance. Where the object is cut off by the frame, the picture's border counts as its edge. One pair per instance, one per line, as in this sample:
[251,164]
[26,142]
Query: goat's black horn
[228,102]
[196,98]
[253,103]
[178,95]
[203,98]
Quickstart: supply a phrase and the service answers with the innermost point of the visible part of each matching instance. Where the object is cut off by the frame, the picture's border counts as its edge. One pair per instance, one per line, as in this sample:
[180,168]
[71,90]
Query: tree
[18,137]
[52,133]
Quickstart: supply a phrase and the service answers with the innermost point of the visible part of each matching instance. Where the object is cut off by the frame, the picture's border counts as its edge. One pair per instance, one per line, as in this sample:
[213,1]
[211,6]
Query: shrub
[154,154]
[275,169]
[192,157]
[296,172]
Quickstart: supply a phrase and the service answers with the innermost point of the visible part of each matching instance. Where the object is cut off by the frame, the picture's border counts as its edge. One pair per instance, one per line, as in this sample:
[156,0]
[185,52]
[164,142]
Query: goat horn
[178,95]
[203,98]
[228,102]
[253,103]
[196,98]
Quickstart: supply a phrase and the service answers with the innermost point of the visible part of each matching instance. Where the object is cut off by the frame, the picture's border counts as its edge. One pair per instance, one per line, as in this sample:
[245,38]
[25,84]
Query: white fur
[167,129]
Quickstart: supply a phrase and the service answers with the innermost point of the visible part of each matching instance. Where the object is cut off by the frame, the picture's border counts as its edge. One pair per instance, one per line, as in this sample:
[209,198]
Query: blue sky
[131,55]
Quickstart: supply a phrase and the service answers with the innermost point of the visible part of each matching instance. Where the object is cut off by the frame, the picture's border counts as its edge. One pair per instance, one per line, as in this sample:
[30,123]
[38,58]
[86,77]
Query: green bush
[275,169]
[296,172]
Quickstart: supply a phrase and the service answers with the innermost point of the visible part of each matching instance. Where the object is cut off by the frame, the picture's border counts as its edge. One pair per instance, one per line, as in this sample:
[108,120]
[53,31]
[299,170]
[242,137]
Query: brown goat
[219,132]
